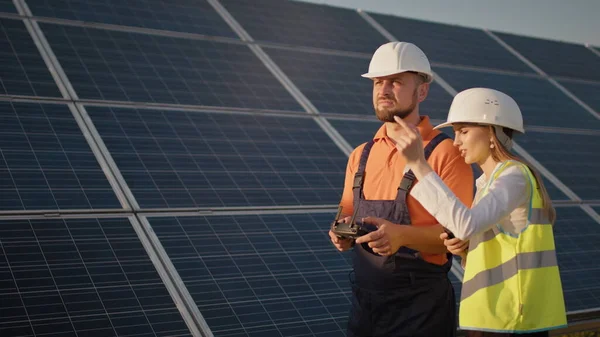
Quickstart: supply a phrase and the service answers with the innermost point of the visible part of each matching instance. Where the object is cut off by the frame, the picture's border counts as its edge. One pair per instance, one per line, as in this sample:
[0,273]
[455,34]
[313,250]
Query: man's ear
[422,91]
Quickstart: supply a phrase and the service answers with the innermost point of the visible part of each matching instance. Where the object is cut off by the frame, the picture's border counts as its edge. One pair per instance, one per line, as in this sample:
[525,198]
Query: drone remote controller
[350,230]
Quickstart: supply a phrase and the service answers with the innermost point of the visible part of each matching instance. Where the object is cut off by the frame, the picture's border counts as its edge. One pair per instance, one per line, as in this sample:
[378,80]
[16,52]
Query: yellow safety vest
[511,282]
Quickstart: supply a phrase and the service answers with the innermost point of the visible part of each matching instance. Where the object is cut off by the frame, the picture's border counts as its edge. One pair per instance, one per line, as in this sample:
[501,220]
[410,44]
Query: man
[401,285]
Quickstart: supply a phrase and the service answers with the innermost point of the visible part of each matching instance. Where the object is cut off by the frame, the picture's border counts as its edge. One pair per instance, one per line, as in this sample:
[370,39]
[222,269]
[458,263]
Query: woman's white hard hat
[485,106]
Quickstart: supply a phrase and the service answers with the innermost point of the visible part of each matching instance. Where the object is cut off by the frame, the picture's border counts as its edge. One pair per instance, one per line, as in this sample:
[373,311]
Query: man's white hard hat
[398,57]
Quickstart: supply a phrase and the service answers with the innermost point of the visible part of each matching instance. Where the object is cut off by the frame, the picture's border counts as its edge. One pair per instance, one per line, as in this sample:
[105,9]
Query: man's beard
[387,115]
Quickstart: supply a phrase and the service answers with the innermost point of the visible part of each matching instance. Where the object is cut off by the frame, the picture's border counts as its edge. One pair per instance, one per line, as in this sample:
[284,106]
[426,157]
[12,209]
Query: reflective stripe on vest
[512,282]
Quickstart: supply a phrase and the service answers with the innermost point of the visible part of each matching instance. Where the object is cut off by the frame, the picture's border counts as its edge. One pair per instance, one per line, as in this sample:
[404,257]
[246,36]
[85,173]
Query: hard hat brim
[394,72]
[443,125]
[449,124]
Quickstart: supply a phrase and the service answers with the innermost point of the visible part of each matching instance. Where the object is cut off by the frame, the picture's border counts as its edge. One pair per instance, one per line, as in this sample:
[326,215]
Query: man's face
[397,95]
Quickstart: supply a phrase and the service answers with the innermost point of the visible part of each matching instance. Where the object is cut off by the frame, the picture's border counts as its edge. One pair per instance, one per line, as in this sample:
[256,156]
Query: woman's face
[473,141]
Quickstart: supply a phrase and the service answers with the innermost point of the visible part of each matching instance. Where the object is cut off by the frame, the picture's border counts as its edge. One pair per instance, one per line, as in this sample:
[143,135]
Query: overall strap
[409,177]
[360,173]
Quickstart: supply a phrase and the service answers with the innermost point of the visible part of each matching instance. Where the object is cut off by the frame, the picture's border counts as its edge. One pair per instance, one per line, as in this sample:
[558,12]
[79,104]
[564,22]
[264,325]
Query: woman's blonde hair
[500,153]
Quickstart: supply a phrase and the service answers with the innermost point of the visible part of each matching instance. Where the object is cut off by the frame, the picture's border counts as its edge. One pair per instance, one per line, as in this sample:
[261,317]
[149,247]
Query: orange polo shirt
[384,171]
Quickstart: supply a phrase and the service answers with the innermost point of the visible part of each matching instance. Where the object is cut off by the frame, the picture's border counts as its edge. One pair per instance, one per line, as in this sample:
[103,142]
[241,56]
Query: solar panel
[541,103]
[81,277]
[585,91]
[452,44]
[182,16]
[46,162]
[267,275]
[296,23]
[573,158]
[7,6]
[193,159]
[121,66]
[577,240]
[23,70]
[557,58]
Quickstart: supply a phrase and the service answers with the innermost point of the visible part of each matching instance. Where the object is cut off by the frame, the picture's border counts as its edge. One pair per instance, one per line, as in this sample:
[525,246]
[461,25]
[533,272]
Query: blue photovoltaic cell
[190,16]
[451,44]
[120,66]
[7,6]
[541,103]
[585,91]
[261,275]
[577,238]
[304,24]
[556,58]
[193,159]
[23,71]
[573,158]
[81,277]
[46,163]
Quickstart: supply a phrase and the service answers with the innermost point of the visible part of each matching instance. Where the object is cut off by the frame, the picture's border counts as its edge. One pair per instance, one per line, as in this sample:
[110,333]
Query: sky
[575,21]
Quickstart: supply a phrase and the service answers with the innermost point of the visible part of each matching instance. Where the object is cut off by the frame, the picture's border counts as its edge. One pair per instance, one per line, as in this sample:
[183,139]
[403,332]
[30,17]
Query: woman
[511,283]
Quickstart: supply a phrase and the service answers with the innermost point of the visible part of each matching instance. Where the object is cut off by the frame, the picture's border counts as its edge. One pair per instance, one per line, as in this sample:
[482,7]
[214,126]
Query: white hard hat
[485,106]
[398,57]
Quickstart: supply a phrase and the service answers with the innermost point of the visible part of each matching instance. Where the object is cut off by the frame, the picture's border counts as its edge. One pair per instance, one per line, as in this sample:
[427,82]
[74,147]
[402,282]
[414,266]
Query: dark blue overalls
[402,294]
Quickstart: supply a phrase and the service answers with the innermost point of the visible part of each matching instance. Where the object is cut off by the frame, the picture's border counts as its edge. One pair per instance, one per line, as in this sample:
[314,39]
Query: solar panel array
[166,171]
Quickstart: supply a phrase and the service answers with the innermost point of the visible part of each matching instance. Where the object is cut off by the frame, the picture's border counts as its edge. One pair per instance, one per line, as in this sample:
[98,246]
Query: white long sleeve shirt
[505,204]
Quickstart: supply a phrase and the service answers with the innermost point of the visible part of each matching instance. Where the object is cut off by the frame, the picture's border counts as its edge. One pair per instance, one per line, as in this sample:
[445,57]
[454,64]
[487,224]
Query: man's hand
[386,240]
[341,244]
[455,246]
